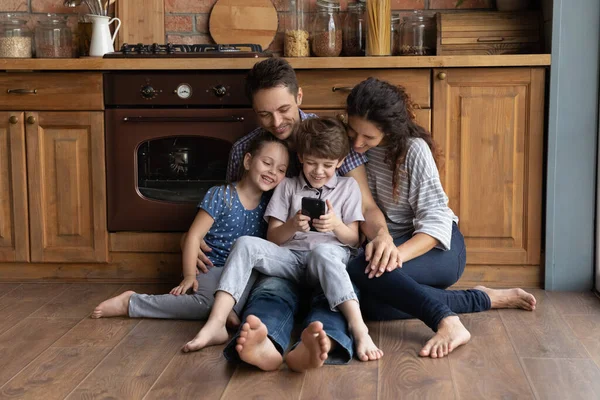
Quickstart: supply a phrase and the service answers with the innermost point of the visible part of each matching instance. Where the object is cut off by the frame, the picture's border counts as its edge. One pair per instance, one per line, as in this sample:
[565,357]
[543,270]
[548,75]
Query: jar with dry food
[53,38]
[16,40]
[355,30]
[395,35]
[296,38]
[418,35]
[379,16]
[327,29]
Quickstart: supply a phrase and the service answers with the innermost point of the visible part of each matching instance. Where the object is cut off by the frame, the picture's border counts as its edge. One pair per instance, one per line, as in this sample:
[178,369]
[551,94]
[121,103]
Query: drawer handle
[342,88]
[22,91]
[490,39]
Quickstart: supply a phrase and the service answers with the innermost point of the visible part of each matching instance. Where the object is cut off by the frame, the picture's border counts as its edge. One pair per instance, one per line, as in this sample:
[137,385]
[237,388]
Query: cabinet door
[422,115]
[489,123]
[67,189]
[14,229]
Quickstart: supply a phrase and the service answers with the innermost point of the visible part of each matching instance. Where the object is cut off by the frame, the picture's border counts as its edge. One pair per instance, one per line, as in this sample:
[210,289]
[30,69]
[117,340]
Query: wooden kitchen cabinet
[489,124]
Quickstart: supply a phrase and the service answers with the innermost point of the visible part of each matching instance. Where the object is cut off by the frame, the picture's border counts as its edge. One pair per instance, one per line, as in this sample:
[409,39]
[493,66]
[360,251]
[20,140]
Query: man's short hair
[270,73]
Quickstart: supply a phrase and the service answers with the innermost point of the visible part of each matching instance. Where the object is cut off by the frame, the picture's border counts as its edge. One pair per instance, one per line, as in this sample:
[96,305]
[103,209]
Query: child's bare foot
[255,348]
[312,350]
[233,321]
[509,298]
[450,335]
[212,333]
[114,307]
[366,350]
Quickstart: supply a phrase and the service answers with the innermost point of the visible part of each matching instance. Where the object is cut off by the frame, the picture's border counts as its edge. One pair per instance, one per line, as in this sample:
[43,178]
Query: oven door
[161,162]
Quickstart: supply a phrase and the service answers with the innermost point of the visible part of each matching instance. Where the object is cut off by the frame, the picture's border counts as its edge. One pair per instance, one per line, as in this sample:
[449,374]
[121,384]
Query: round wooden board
[243,21]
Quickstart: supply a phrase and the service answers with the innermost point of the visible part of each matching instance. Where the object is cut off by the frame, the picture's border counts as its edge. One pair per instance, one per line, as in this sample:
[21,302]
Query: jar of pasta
[327,29]
[296,39]
[379,30]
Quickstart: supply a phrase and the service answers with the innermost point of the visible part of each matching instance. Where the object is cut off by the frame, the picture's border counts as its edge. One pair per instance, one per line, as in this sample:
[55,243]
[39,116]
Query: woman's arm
[416,246]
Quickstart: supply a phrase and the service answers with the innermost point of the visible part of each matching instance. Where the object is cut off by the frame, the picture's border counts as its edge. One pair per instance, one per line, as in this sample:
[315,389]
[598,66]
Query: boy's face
[277,110]
[318,171]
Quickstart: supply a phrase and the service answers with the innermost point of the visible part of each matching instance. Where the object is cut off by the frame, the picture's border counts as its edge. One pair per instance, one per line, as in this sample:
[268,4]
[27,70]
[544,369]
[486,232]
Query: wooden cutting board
[142,21]
[243,21]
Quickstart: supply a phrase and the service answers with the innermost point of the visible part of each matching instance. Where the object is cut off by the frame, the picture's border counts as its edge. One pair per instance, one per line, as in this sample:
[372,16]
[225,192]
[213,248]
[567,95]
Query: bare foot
[312,350]
[114,307]
[255,348]
[233,321]
[212,333]
[450,335]
[366,350]
[509,298]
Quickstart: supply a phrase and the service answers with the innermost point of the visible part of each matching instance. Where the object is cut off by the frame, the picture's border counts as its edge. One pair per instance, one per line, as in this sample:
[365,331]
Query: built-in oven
[168,138]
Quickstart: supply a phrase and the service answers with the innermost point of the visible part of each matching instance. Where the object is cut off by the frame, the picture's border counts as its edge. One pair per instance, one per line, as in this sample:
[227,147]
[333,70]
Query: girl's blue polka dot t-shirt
[231,220]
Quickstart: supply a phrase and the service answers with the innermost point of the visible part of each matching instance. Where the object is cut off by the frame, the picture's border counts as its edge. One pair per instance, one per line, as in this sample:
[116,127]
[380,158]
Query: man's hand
[327,222]
[203,262]
[382,255]
[185,285]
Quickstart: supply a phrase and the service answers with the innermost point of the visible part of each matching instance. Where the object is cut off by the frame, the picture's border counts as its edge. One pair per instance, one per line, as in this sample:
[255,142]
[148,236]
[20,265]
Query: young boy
[294,251]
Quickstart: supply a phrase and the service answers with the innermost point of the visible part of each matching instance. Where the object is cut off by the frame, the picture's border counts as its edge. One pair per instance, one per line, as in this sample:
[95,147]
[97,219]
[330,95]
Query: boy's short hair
[270,73]
[322,137]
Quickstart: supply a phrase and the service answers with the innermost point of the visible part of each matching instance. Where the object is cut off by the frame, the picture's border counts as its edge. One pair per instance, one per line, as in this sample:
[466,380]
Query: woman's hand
[185,285]
[300,222]
[327,222]
[382,255]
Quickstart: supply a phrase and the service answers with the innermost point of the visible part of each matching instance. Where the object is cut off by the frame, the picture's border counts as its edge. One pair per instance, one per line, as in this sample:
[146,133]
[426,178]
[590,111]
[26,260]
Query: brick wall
[186,21]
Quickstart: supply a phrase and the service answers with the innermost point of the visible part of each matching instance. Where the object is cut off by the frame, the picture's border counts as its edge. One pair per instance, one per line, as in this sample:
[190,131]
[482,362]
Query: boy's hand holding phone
[301,222]
[327,222]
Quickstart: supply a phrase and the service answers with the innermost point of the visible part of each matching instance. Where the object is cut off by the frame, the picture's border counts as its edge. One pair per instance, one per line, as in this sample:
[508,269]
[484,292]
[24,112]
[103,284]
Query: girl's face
[363,134]
[267,167]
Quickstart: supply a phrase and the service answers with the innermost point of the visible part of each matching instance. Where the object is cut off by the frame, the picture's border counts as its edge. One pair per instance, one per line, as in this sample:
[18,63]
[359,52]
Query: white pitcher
[102,42]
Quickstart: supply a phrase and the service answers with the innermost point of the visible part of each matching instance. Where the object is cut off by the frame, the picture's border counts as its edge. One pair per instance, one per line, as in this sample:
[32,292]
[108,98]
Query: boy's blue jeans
[276,301]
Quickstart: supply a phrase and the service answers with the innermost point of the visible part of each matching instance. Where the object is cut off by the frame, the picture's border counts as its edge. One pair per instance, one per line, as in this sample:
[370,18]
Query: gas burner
[141,50]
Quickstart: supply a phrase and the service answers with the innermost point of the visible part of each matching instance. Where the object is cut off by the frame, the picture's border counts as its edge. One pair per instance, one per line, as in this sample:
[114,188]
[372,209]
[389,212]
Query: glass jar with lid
[327,29]
[355,30]
[418,35]
[16,39]
[296,39]
[395,35]
[53,37]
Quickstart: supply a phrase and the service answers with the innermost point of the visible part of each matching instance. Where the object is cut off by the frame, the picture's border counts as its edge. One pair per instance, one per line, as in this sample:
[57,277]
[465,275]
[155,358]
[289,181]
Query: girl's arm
[201,225]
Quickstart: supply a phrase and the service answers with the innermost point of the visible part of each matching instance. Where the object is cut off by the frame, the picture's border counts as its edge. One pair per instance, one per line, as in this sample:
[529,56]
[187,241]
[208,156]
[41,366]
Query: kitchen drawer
[329,88]
[51,91]
[422,115]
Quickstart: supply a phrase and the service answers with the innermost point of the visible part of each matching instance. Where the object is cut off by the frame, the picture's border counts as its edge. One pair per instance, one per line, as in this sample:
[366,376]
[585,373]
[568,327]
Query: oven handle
[232,118]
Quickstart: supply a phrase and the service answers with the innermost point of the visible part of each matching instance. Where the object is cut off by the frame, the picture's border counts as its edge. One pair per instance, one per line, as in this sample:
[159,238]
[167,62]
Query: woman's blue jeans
[418,288]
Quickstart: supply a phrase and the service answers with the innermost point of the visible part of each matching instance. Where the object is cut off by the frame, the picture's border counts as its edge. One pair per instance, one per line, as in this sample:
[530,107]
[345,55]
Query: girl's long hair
[390,109]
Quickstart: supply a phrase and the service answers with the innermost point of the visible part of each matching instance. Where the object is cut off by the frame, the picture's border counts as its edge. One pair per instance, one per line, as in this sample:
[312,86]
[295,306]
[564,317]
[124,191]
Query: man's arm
[381,252]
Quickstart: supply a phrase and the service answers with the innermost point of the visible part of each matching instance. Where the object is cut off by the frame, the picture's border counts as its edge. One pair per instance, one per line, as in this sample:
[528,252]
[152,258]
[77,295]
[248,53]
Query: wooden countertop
[100,64]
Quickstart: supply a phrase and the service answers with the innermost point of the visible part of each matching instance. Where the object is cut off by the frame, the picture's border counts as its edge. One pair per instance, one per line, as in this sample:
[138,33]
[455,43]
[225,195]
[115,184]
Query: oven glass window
[181,168]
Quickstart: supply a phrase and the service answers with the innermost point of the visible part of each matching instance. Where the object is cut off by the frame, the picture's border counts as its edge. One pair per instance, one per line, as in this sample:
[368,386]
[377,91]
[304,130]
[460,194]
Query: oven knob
[220,90]
[148,92]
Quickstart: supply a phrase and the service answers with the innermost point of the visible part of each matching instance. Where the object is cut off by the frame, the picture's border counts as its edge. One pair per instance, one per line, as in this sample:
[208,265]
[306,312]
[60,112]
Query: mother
[404,180]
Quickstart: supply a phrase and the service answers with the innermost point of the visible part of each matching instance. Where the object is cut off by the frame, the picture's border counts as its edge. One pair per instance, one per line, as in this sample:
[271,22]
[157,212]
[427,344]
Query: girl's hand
[300,222]
[187,283]
[327,222]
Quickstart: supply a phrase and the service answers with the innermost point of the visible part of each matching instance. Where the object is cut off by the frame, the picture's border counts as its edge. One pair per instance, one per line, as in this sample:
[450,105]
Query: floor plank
[587,330]
[135,364]
[103,332]
[569,303]
[249,382]
[357,380]
[563,379]
[7,287]
[24,300]
[482,368]
[402,373]
[541,333]
[77,301]
[200,375]
[27,340]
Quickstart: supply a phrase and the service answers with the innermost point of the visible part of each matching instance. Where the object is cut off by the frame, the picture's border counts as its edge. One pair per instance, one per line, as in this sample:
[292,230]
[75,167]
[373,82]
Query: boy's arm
[280,232]
[347,234]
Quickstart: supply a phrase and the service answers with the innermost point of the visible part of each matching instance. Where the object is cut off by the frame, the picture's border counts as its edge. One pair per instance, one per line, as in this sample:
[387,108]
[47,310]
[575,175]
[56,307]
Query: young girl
[226,213]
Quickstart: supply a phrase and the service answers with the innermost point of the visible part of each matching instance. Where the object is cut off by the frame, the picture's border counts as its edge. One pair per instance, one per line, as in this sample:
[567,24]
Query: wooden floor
[51,349]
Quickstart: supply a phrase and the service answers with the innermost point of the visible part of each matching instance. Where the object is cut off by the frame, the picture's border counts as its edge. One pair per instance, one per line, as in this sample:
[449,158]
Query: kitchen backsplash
[186,21]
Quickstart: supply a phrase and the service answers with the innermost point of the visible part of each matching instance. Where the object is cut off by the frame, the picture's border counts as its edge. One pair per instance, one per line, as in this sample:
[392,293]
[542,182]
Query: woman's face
[267,167]
[363,134]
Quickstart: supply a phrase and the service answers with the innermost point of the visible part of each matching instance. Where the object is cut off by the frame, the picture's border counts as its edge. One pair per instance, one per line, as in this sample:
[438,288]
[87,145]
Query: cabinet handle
[342,88]
[13,120]
[31,120]
[21,91]
[441,76]
[490,39]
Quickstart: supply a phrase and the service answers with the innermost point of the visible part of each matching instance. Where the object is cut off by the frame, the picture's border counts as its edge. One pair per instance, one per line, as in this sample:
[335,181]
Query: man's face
[277,110]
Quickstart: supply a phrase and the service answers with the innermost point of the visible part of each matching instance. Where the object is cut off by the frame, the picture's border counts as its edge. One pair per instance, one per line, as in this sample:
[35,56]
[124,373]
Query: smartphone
[314,208]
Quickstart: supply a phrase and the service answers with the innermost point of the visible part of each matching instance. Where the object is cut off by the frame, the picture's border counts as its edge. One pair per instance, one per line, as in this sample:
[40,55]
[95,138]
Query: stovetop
[171,50]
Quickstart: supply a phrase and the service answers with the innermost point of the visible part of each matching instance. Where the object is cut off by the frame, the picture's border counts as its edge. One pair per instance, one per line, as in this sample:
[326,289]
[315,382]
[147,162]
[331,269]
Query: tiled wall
[186,21]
